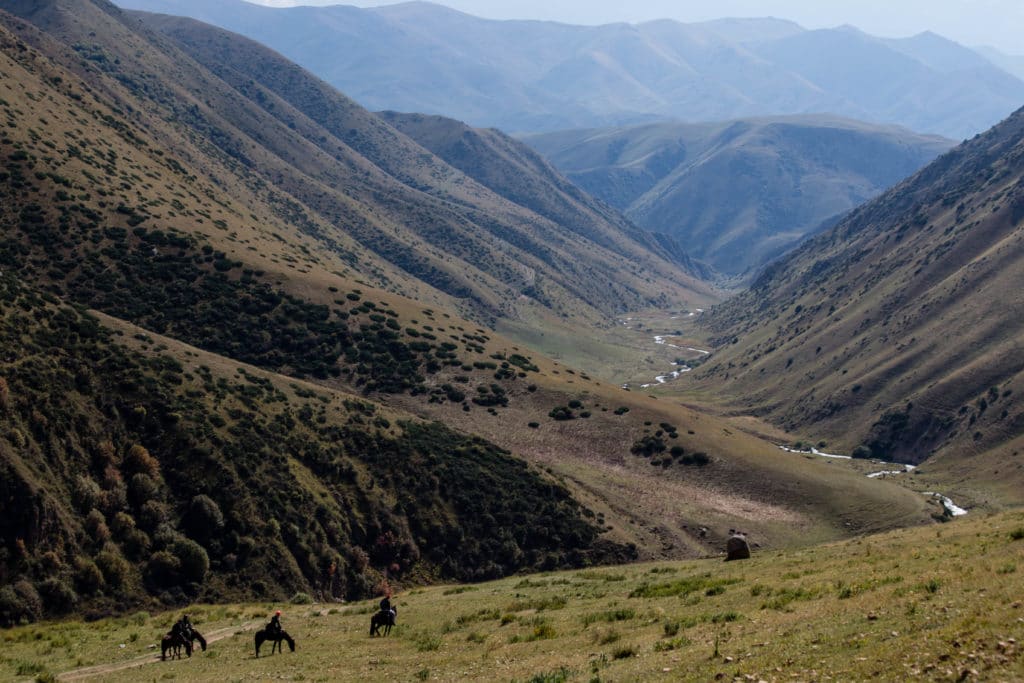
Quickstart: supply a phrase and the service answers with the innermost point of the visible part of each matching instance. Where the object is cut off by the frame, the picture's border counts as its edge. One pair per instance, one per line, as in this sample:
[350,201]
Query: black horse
[175,642]
[385,619]
[275,638]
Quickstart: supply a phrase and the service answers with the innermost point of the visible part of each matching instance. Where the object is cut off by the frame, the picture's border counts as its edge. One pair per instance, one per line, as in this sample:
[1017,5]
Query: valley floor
[932,603]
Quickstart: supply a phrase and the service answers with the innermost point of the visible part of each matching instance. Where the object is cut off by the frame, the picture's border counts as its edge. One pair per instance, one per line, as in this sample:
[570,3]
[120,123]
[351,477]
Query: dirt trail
[151,658]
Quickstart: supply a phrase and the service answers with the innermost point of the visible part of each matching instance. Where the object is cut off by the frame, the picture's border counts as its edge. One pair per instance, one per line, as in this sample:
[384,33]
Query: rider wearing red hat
[275,623]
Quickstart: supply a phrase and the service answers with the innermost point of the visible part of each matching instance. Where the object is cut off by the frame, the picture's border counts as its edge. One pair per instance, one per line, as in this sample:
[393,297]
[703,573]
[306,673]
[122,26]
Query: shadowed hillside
[740,193]
[131,470]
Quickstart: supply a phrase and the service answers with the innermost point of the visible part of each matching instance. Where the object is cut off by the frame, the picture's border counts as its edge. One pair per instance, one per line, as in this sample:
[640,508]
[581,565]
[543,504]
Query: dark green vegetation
[533,76]
[740,193]
[129,474]
[898,333]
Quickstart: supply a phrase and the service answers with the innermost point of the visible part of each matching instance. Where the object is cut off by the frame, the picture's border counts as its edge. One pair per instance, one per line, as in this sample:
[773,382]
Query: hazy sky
[999,23]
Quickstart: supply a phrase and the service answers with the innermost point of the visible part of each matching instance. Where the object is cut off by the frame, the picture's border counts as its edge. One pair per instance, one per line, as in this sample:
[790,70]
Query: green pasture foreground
[942,602]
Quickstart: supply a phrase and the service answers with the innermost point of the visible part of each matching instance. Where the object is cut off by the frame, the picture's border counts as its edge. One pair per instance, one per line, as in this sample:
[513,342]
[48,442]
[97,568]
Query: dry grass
[936,603]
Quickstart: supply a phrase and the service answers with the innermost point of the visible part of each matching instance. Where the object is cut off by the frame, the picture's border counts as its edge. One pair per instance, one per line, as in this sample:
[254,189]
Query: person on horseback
[182,627]
[385,603]
[274,627]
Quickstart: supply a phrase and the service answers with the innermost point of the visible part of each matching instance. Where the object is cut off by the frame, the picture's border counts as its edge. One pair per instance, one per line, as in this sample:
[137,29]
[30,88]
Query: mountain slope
[1013,64]
[281,129]
[738,193]
[541,76]
[516,172]
[901,328]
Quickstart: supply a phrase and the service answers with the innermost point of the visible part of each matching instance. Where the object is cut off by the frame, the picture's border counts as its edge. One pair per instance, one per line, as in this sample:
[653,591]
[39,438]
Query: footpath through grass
[942,602]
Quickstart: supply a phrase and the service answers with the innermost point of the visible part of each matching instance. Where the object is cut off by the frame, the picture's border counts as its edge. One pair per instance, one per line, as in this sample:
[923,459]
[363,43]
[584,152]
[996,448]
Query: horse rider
[183,628]
[274,626]
[385,604]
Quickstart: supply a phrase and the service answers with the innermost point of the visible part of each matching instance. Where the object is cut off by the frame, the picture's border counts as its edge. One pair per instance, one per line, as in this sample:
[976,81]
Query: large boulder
[737,548]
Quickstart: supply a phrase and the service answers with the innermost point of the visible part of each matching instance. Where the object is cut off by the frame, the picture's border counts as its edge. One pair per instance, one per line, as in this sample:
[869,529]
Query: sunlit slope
[900,329]
[935,604]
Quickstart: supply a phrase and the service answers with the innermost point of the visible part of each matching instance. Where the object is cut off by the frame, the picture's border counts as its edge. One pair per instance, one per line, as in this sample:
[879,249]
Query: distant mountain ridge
[524,76]
[738,193]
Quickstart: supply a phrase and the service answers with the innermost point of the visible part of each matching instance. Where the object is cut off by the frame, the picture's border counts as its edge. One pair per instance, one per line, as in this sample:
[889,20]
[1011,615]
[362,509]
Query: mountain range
[529,76]
[737,194]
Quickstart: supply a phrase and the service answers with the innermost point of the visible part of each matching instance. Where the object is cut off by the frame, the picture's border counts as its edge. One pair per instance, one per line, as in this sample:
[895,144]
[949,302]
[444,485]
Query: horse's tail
[259,638]
[202,641]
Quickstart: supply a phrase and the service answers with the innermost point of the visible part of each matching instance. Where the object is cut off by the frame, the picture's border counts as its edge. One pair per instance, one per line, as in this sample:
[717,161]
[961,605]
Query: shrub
[648,446]
[862,453]
[301,599]
[136,543]
[142,488]
[58,596]
[561,413]
[96,526]
[1017,534]
[193,560]
[152,514]
[88,577]
[115,569]
[700,459]
[13,607]
[162,569]
[203,519]
[123,524]
[139,461]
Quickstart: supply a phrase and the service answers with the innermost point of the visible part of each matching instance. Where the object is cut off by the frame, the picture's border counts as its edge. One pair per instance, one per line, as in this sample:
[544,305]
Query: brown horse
[275,639]
[385,619]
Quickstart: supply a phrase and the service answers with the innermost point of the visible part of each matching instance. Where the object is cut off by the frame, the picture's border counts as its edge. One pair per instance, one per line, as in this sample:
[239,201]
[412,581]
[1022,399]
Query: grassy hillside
[739,193]
[937,604]
[900,329]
